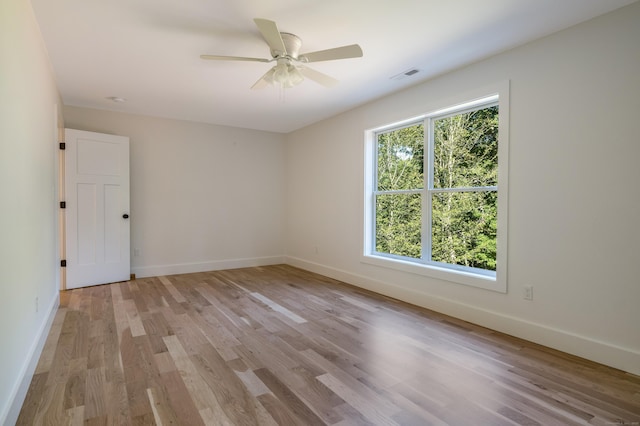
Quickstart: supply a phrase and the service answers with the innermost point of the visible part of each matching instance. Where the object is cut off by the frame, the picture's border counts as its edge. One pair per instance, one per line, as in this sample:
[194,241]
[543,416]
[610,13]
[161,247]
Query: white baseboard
[19,392]
[214,265]
[625,359]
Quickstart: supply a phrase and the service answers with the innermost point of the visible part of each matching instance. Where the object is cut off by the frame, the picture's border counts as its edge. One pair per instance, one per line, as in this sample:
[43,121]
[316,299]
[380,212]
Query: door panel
[86,226]
[112,220]
[97,192]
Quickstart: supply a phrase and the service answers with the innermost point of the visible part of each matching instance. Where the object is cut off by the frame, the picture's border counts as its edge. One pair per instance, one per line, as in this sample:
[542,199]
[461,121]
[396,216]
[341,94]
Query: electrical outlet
[527,293]
[136,252]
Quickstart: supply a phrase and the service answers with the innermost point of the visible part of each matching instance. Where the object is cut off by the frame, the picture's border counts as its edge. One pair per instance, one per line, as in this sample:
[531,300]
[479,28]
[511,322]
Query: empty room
[333,213]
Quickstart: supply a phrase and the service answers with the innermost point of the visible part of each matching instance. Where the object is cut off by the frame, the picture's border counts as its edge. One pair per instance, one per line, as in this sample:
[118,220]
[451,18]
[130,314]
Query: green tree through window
[439,207]
[400,180]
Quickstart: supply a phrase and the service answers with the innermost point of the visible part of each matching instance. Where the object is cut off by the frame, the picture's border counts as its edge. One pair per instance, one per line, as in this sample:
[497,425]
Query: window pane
[400,158]
[466,149]
[399,224]
[464,228]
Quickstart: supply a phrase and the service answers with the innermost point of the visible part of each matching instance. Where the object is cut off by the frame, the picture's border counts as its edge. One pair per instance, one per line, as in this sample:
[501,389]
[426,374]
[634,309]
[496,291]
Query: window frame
[476,277]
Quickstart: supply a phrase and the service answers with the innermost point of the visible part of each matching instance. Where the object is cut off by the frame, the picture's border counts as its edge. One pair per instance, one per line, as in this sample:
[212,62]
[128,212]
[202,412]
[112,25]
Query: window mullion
[466,189]
[399,191]
[427,197]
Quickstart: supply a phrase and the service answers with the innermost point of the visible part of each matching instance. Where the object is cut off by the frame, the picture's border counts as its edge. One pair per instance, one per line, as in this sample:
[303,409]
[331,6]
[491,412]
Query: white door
[97,208]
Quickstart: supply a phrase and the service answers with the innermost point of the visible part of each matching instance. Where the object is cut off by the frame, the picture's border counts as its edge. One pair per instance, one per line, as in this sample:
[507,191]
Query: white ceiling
[148,51]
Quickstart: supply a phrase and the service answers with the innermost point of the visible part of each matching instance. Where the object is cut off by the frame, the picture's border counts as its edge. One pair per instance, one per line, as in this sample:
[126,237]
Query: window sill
[460,277]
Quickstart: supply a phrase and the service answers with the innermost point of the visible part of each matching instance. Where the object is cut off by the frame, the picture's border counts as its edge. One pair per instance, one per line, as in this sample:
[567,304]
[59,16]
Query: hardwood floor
[277,345]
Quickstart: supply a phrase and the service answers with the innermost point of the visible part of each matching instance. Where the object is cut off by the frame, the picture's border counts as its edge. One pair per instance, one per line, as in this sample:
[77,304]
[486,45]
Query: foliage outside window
[435,190]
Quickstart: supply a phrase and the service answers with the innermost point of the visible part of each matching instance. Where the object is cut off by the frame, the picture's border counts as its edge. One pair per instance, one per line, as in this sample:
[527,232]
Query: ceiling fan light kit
[285,51]
[284,75]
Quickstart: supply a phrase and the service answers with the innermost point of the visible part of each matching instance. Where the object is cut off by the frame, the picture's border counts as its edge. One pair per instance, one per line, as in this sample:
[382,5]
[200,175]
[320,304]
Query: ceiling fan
[285,51]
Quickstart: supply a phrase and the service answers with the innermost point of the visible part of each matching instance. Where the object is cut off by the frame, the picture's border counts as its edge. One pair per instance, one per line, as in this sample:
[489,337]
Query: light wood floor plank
[49,349]
[277,345]
[203,396]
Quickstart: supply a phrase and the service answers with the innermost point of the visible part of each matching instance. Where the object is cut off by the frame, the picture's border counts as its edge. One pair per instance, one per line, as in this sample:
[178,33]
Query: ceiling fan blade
[234,58]
[264,80]
[318,77]
[269,31]
[344,52]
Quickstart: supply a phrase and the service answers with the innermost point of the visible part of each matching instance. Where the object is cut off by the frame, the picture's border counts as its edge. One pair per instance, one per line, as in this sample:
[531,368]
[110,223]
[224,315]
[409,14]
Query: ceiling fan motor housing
[292,43]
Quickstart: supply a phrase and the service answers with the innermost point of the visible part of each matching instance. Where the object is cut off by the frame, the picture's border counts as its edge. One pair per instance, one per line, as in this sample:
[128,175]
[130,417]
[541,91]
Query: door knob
[125,216]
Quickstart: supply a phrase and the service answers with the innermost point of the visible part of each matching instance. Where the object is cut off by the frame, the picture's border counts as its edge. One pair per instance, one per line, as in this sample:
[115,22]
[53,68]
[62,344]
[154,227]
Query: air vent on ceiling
[405,74]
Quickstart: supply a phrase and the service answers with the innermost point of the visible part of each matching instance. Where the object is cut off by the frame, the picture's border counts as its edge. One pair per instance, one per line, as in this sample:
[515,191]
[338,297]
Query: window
[436,194]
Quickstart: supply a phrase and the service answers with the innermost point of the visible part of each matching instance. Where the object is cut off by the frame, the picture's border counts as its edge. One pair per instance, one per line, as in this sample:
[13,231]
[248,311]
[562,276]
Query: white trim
[213,265]
[503,183]
[480,280]
[19,391]
[615,356]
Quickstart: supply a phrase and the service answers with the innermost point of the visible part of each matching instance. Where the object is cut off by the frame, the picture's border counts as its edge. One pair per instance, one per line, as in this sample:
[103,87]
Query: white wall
[29,103]
[574,201]
[203,197]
